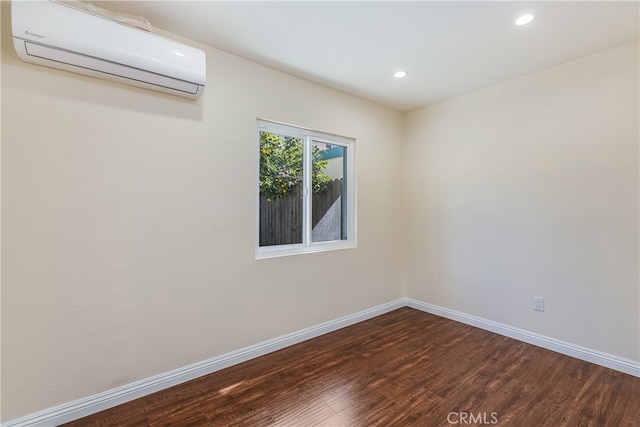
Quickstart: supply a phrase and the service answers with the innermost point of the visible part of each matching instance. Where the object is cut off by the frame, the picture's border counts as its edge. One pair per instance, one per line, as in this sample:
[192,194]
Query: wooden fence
[281,219]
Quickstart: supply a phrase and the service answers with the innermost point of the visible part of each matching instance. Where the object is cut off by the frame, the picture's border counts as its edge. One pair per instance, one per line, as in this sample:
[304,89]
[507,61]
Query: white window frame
[307,245]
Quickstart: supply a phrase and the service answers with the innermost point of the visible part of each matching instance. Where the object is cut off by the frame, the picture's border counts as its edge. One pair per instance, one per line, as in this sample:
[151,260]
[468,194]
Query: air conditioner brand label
[29,33]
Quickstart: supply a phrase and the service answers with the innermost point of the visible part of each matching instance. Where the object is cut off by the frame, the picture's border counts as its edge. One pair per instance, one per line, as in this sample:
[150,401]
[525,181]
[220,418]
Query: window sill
[265,252]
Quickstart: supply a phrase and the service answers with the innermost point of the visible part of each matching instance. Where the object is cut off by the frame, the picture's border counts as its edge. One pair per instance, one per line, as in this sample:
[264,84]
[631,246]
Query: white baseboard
[599,358]
[117,396]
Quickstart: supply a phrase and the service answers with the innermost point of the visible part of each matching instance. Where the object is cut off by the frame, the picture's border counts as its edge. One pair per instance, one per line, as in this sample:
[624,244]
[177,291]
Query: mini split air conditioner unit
[58,35]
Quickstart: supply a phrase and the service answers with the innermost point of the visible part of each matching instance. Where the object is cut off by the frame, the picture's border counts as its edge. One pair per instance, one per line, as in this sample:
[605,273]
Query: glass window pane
[328,183]
[281,183]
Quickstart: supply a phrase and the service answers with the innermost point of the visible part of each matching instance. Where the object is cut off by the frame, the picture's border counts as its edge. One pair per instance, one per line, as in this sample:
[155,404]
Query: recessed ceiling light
[525,19]
[400,74]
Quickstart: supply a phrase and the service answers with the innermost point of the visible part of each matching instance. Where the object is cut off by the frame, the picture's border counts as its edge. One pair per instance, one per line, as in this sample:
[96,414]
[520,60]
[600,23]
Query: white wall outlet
[538,303]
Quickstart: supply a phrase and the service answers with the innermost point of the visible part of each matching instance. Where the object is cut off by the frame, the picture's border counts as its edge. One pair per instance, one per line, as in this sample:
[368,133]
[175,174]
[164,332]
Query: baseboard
[599,358]
[117,396]
[98,402]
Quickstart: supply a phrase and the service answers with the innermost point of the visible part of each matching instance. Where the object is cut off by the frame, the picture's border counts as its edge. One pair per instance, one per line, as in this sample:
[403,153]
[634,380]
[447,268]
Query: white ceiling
[448,47]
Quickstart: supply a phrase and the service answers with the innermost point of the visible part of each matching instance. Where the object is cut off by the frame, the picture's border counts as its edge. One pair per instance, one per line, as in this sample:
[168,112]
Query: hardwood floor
[404,368]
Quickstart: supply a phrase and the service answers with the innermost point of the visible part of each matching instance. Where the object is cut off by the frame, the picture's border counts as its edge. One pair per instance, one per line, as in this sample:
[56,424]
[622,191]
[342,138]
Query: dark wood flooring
[404,368]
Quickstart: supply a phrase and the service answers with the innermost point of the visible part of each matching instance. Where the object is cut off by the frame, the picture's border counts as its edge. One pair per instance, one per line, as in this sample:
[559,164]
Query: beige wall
[128,244]
[531,188]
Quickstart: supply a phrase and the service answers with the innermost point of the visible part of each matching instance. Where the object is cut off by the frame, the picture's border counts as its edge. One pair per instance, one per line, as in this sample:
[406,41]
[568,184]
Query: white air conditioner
[58,35]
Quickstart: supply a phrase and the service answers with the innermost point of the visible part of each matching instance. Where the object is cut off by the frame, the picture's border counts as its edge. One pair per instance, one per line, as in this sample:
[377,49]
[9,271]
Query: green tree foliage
[281,160]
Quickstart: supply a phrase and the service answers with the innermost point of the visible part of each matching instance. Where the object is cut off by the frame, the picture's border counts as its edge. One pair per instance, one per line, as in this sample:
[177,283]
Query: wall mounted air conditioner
[59,35]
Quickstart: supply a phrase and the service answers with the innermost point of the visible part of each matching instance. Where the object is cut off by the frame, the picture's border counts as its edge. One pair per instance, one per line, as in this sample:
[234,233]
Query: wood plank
[403,368]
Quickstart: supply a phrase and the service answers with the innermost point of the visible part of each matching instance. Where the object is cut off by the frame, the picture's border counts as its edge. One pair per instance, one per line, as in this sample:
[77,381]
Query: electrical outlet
[538,303]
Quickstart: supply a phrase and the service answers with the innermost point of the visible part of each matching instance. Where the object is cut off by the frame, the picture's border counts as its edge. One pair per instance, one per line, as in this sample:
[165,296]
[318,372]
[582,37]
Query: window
[305,191]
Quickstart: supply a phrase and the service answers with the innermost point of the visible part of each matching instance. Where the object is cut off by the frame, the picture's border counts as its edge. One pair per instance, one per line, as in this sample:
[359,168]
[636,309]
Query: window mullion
[308,191]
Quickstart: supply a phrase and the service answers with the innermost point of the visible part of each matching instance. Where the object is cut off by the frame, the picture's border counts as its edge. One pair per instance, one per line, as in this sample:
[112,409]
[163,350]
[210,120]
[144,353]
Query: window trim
[307,245]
